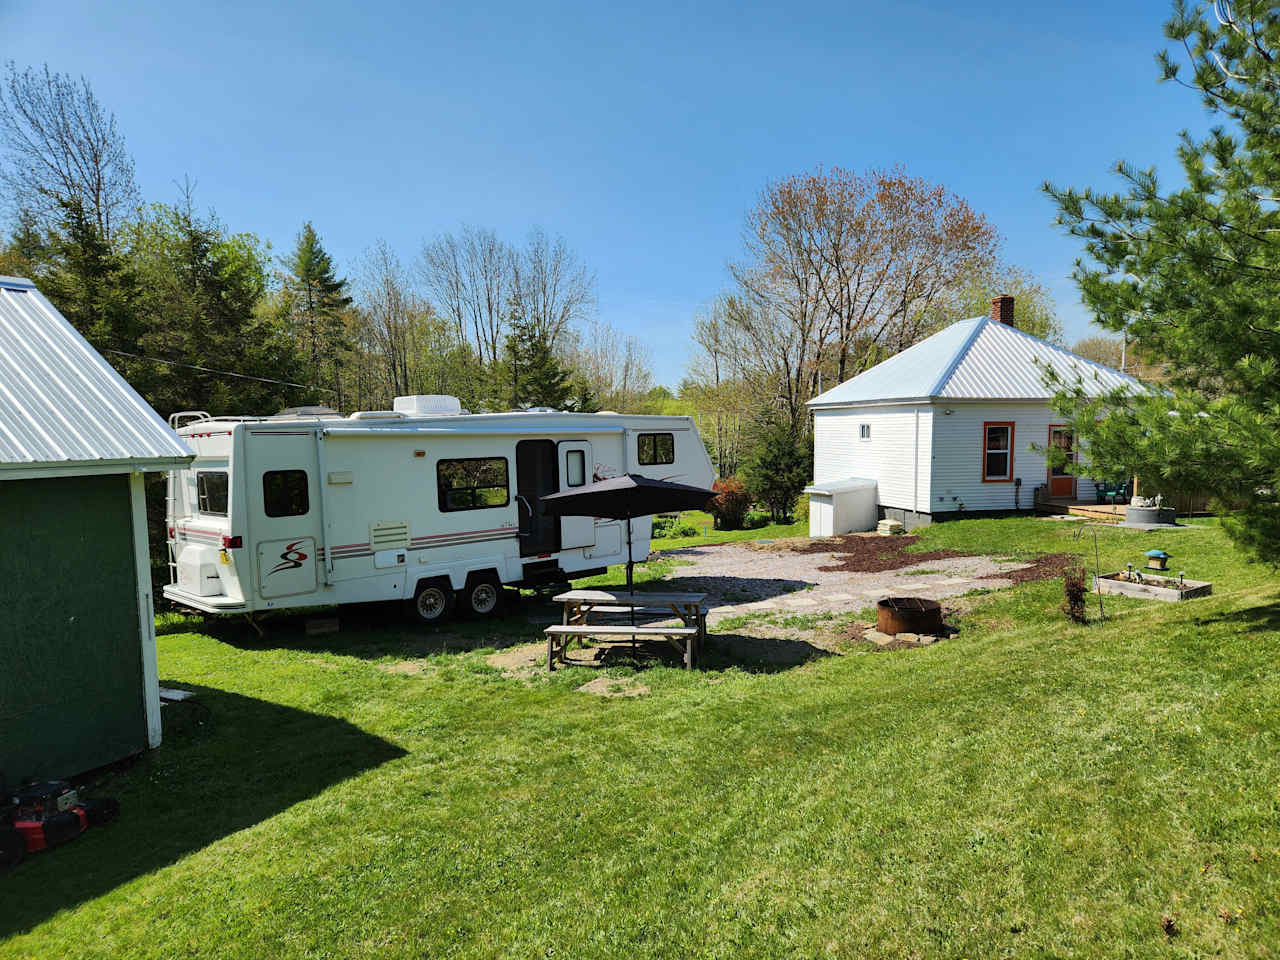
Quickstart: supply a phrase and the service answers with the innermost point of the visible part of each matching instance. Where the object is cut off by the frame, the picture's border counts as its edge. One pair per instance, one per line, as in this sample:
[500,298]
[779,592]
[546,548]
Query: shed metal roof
[976,359]
[62,405]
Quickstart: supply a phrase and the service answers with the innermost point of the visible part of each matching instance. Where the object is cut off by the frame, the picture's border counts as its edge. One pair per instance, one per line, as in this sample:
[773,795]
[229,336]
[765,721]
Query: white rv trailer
[425,504]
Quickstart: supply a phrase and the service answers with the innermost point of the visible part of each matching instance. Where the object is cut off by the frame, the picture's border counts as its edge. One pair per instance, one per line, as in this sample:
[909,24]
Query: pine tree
[535,377]
[1193,274]
[779,465]
[317,299]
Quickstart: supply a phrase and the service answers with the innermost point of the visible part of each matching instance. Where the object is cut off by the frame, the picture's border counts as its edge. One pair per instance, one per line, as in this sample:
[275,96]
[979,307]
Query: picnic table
[580,605]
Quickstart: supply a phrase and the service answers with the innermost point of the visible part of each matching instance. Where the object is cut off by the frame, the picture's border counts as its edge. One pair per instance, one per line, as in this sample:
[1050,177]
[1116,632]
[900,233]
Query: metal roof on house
[62,405]
[976,359]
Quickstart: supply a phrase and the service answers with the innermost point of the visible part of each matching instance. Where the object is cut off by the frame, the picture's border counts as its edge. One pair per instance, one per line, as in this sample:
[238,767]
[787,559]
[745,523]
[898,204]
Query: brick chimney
[1002,309]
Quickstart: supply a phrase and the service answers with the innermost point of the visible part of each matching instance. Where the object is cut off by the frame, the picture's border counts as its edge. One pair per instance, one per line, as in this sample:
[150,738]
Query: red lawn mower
[42,815]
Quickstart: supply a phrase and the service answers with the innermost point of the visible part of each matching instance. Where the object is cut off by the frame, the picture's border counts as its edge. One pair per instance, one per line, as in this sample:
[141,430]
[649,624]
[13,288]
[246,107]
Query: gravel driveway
[745,578]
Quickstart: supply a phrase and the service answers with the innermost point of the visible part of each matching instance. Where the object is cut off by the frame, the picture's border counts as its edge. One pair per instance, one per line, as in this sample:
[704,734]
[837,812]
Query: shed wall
[889,456]
[71,680]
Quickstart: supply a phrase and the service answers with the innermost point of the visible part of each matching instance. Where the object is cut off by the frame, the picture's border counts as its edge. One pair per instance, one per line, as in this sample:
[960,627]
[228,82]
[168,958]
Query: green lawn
[703,521]
[1026,788]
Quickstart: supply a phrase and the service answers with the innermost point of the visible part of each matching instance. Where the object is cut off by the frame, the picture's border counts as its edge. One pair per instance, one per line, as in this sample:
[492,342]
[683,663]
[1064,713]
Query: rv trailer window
[575,463]
[476,483]
[655,448]
[211,492]
[284,493]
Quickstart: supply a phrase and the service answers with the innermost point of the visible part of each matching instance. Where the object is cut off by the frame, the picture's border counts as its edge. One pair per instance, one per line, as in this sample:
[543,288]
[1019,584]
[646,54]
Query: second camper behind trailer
[424,503]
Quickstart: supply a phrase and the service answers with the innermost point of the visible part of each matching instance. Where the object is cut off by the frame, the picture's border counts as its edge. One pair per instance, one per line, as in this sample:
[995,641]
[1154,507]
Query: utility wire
[223,373]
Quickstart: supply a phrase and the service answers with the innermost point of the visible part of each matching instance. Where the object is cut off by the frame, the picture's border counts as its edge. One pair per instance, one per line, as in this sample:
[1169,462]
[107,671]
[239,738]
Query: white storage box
[842,506]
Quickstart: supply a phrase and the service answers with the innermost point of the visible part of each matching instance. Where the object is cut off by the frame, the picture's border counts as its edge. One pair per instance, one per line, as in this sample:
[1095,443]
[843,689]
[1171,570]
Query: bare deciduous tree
[616,367]
[60,148]
[840,269]
[551,287]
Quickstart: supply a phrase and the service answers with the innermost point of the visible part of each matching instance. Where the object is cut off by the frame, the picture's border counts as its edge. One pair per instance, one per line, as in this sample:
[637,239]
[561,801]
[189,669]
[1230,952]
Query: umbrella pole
[630,588]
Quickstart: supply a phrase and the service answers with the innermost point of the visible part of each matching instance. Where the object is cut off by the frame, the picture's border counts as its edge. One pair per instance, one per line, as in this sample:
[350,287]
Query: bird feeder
[1157,560]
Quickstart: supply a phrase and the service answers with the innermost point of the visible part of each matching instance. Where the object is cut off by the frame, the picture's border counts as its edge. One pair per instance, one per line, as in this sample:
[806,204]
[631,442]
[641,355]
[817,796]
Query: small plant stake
[1097,561]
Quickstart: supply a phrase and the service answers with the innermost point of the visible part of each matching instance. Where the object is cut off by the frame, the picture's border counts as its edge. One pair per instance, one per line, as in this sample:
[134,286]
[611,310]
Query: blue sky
[641,134]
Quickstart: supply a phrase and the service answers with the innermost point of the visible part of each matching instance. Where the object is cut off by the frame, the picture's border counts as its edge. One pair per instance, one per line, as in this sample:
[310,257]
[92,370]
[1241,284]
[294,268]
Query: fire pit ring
[896,615]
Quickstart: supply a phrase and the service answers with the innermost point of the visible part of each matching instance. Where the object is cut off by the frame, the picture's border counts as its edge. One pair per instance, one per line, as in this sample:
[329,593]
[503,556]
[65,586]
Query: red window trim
[983,471]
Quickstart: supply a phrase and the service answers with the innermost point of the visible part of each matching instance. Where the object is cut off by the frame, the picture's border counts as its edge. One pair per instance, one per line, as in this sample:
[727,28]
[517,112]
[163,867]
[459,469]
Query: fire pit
[896,615]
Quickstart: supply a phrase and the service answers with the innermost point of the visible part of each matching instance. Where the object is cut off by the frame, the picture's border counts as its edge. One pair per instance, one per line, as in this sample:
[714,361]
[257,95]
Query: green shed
[78,680]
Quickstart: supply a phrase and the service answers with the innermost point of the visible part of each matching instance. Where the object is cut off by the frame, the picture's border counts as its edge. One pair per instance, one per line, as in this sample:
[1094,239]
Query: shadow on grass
[1265,616]
[227,763]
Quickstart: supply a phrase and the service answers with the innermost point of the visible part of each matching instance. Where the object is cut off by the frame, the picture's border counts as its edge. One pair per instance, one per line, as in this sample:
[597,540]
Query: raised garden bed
[1152,587]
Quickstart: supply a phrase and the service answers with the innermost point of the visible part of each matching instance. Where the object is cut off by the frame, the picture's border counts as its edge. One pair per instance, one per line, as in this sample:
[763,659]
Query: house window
[475,483]
[284,493]
[864,431]
[211,493]
[656,448]
[575,468]
[997,452]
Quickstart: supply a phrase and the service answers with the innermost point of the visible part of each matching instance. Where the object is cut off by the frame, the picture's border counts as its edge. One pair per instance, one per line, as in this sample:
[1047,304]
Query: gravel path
[746,578]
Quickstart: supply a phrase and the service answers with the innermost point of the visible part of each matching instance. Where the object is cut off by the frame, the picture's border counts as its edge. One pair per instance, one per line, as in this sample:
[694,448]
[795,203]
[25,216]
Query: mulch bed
[855,554]
[858,554]
[1046,566]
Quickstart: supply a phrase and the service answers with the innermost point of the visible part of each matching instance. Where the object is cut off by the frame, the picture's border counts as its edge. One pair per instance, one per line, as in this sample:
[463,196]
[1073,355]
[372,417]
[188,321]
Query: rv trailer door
[576,469]
[284,503]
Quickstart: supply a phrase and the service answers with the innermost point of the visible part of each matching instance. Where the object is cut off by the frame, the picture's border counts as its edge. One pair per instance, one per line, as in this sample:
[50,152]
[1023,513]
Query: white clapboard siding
[890,456]
[958,449]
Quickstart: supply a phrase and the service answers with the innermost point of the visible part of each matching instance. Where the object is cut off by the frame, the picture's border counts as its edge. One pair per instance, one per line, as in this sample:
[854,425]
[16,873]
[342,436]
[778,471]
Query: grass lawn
[703,521]
[1025,788]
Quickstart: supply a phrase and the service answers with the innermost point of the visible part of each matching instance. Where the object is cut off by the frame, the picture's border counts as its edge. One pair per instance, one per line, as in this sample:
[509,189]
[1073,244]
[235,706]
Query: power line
[222,373]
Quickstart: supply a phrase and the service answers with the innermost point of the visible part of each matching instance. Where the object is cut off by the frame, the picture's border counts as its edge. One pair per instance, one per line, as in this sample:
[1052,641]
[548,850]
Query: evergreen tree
[317,299]
[1193,274]
[778,467]
[534,376]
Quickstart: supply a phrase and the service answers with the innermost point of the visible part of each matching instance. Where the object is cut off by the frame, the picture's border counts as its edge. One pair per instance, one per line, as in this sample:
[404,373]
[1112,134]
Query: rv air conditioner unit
[428,405]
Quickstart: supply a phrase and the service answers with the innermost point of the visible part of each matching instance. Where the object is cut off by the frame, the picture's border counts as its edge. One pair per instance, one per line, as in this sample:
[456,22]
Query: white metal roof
[63,408]
[976,359]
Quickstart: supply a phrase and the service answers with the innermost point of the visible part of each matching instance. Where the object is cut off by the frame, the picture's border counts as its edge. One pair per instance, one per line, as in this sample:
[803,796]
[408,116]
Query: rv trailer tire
[432,601]
[482,595]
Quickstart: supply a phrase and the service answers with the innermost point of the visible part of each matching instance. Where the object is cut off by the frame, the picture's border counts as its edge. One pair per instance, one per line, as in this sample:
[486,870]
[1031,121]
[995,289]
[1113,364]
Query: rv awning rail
[413,431]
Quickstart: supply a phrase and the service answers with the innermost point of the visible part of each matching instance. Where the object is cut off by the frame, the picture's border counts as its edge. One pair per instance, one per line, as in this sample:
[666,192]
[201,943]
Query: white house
[947,427]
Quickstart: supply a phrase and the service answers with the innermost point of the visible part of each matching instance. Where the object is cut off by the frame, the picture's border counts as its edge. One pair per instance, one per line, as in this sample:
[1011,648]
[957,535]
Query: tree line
[196,315]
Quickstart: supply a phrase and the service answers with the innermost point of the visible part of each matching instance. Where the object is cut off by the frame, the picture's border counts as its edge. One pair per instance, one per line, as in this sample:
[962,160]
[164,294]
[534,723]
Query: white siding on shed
[957,456]
[888,456]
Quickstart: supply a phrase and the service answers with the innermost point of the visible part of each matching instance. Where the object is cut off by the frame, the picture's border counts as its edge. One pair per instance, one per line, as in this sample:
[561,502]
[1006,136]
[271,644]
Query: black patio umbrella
[621,498]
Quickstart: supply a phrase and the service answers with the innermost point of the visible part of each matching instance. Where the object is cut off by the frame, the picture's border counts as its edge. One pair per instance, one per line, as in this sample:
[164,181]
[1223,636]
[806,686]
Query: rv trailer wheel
[483,597]
[432,601]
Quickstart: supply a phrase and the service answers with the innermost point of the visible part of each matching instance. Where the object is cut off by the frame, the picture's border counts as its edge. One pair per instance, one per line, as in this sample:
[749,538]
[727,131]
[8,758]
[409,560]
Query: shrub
[730,503]
[664,524]
[1076,588]
[686,530]
[755,519]
[801,512]
[778,467]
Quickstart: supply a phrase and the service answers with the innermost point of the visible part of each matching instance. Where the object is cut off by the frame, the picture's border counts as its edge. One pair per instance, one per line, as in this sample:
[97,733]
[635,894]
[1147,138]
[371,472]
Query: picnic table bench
[579,605]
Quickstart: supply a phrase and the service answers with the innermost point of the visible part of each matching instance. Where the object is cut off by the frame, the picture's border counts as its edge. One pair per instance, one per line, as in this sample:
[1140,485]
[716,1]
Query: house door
[1062,483]
[536,476]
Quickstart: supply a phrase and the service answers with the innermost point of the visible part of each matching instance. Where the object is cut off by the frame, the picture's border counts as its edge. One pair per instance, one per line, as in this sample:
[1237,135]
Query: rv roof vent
[428,405]
[376,415]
